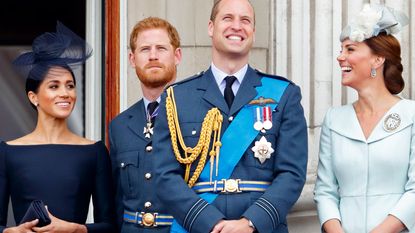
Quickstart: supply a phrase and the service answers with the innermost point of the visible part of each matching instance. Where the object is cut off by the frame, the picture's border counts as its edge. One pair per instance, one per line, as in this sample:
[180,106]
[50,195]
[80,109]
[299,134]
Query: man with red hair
[155,53]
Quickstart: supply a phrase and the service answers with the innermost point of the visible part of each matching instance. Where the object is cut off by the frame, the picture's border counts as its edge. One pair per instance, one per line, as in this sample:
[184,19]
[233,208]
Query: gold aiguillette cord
[212,123]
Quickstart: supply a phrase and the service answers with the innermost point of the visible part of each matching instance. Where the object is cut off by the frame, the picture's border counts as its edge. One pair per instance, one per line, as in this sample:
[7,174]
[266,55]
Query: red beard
[158,77]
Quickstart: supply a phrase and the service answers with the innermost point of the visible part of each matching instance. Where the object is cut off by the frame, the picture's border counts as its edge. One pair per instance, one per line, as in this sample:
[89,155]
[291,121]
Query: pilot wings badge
[261,101]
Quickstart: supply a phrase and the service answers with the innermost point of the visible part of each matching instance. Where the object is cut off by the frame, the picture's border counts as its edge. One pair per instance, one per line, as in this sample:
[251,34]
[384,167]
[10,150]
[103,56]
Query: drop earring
[373,72]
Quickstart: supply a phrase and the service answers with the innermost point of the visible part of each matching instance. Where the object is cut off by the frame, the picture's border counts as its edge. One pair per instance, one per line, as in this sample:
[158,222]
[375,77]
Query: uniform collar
[220,76]
[146,102]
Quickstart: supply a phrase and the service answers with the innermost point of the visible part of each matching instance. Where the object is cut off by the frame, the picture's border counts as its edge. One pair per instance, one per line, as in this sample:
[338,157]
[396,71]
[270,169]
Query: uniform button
[149,148]
[122,164]
[147,204]
[147,176]
[230,118]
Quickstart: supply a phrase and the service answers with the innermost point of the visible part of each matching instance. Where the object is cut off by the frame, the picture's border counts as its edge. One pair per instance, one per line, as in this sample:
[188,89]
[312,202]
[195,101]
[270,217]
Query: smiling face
[232,30]
[155,58]
[356,60]
[56,95]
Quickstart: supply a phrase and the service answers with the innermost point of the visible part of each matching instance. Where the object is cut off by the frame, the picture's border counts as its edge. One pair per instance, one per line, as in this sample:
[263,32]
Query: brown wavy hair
[388,46]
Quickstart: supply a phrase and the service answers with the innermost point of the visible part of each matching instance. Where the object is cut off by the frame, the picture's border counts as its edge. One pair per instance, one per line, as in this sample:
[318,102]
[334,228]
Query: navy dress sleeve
[78,172]
[102,195]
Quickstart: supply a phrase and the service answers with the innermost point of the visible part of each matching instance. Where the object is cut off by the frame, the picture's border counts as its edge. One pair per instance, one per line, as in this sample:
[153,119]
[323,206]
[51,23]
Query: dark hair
[33,84]
[388,47]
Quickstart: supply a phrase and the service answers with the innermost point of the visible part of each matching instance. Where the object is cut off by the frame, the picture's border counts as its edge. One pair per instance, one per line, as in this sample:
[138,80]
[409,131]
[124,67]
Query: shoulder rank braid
[211,124]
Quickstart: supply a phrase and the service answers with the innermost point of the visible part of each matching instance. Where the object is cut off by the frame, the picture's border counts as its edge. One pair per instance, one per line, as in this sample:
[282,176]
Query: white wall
[294,38]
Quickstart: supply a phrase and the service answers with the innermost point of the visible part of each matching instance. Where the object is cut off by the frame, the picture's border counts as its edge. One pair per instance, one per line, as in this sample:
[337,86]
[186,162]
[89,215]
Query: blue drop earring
[373,72]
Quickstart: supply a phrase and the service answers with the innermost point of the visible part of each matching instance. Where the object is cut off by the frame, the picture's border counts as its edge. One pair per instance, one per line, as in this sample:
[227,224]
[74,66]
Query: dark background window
[22,20]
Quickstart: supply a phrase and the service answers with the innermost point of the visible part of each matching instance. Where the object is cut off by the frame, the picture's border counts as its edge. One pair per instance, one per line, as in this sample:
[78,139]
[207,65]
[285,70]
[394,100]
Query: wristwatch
[250,224]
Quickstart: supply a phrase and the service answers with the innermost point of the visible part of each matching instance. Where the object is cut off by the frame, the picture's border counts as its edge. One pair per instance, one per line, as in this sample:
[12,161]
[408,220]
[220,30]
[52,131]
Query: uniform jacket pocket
[129,173]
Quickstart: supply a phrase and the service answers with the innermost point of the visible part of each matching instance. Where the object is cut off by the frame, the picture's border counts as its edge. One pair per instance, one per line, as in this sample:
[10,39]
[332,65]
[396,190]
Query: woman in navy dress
[51,163]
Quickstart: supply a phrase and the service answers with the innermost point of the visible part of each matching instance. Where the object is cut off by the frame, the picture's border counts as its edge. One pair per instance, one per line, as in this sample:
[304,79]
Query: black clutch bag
[37,210]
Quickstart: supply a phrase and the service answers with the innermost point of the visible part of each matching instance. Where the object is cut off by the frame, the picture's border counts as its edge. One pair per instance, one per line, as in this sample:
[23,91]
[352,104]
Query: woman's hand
[60,226]
[390,225]
[333,226]
[22,228]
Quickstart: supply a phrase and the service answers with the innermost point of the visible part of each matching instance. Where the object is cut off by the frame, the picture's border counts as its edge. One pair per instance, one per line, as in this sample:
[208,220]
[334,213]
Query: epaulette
[187,79]
[273,76]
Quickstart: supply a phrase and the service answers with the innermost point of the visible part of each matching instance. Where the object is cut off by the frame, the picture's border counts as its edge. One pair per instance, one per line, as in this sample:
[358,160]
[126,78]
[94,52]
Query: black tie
[152,113]
[228,93]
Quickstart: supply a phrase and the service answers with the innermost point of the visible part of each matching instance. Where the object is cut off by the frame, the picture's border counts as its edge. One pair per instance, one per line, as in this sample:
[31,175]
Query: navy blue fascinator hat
[62,48]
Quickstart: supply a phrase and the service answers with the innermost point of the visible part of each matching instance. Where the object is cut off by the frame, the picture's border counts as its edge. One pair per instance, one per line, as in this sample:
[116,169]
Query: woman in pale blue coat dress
[366,171]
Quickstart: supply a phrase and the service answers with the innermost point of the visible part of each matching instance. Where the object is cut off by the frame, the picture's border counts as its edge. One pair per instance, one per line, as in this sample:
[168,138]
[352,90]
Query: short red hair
[152,23]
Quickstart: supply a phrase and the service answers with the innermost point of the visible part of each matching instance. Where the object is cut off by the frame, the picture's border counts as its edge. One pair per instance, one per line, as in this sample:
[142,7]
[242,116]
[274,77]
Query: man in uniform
[253,126]
[155,53]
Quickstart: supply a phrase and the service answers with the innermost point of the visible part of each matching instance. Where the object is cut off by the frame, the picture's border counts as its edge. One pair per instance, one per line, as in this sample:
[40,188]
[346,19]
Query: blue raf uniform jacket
[286,169]
[132,158]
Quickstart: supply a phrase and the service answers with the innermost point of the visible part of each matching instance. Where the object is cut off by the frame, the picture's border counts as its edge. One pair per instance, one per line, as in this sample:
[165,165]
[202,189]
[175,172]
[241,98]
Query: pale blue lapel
[345,123]
[401,109]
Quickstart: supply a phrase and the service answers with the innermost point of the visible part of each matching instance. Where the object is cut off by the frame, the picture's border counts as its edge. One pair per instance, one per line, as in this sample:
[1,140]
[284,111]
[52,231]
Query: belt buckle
[231,186]
[148,219]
